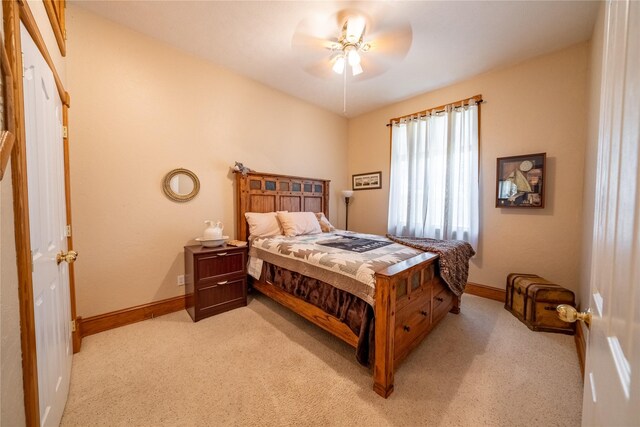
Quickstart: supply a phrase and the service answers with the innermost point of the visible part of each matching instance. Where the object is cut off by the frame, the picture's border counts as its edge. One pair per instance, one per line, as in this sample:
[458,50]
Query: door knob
[566,313]
[69,257]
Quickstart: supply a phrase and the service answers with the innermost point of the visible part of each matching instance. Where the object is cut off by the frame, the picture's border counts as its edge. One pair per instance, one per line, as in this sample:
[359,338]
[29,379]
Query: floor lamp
[347,196]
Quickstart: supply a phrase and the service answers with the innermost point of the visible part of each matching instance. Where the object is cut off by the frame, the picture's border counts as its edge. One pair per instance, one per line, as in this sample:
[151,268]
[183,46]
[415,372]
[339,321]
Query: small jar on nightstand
[215,279]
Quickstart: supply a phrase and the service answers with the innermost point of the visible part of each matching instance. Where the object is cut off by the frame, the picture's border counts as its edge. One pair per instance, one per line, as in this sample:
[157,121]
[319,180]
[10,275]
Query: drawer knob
[222,254]
[424,313]
[223,282]
[439,299]
[406,328]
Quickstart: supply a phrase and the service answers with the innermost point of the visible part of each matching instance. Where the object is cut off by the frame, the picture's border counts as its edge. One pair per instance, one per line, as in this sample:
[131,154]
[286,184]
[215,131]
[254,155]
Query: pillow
[263,224]
[298,223]
[325,225]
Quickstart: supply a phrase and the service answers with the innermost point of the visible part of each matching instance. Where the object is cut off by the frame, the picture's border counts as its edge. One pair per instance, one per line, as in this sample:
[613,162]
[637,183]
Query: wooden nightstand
[215,279]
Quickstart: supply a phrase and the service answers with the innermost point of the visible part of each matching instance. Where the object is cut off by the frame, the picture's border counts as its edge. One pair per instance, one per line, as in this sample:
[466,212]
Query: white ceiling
[451,41]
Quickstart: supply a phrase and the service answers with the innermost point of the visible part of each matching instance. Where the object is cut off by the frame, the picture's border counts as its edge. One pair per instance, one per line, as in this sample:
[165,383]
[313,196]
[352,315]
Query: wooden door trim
[581,345]
[8,134]
[6,147]
[57,24]
[11,15]
[15,12]
[76,336]
[30,24]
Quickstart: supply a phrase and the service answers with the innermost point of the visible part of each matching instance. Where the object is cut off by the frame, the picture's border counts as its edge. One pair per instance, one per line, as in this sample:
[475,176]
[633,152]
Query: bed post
[325,200]
[456,305]
[385,307]
[241,222]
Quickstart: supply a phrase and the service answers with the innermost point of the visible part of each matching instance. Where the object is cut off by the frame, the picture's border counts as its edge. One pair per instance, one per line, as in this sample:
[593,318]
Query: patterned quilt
[454,258]
[348,270]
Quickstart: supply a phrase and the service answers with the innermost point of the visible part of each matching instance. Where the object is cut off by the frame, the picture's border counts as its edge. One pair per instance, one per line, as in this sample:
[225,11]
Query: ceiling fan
[349,46]
[351,42]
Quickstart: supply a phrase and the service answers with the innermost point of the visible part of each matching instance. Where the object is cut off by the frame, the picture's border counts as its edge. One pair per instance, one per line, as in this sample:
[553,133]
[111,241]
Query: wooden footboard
[411,298]
[309,311]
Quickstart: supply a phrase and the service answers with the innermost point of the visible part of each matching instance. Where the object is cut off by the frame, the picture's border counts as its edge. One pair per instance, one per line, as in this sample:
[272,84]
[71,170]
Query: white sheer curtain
[434,176]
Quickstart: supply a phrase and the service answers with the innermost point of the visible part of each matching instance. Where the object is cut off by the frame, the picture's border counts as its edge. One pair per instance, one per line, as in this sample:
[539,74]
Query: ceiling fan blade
[393,43]
[322,68]
[307,41]
[355,28]
[313,43]
[313,54]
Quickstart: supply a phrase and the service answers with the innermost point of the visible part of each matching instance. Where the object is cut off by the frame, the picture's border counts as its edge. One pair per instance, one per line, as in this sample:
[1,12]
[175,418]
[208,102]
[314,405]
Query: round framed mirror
[181,185]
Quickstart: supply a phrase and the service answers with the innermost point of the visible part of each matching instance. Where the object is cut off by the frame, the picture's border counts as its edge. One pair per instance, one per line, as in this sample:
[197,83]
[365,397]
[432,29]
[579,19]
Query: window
[434,175]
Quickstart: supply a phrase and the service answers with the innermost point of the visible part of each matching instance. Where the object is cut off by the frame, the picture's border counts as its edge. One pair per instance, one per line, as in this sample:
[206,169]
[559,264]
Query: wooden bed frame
[410,297]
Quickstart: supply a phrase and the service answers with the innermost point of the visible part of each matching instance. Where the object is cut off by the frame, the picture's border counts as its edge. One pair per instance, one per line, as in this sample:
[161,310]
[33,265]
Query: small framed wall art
[520,181]
[367,181]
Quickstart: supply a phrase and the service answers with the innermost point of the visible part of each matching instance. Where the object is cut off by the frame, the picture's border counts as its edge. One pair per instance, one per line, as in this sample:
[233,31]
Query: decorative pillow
[298,223]
[263,224]
[325,225]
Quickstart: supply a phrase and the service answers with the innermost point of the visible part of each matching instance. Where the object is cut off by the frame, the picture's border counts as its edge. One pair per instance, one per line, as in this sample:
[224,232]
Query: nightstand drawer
[215,279]
[220,295]
[219,264]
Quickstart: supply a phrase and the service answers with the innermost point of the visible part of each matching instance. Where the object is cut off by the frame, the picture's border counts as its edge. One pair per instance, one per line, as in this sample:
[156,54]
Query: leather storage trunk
[533,300]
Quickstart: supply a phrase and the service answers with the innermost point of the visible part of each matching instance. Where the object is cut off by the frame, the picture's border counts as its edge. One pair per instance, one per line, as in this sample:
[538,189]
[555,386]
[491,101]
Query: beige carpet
[263,365]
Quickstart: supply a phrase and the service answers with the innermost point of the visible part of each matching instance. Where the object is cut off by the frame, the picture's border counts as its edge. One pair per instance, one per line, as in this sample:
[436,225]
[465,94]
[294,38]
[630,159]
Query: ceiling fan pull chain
[344,93]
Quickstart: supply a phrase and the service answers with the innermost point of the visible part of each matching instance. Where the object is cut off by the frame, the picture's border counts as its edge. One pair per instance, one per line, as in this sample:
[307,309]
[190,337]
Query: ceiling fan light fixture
[356,69]
[353,56]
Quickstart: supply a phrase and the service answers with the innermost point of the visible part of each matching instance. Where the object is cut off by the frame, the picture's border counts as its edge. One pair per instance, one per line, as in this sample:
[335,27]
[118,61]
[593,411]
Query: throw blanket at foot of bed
[454,258]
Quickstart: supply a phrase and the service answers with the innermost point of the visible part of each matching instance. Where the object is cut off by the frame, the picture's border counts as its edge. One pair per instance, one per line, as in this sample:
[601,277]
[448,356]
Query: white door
[47,221]
[612,374]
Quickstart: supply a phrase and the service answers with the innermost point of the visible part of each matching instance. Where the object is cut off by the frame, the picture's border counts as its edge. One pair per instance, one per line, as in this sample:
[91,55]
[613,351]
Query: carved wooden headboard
[268,192]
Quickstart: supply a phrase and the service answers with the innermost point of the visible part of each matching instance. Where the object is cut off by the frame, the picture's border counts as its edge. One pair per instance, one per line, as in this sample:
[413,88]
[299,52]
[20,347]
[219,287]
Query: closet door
[47,224]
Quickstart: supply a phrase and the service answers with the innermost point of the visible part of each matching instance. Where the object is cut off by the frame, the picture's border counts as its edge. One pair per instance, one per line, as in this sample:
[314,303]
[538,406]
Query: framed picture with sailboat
[520,181]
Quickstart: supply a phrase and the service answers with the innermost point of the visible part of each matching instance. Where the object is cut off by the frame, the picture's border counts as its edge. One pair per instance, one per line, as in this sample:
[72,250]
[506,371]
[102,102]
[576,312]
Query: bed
[409,299]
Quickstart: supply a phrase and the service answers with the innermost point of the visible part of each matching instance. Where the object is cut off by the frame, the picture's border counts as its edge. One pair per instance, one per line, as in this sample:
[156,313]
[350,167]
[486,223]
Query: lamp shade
[339,65]
[347,193]
[352,56]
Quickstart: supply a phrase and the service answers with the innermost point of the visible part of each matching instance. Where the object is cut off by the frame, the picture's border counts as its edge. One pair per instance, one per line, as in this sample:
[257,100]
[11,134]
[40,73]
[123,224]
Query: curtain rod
[440,109]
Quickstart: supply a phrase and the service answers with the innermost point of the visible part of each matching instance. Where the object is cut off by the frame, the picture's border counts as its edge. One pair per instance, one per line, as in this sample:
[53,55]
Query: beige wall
[535,106]
[11,395]
[141,108]
[11,390]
